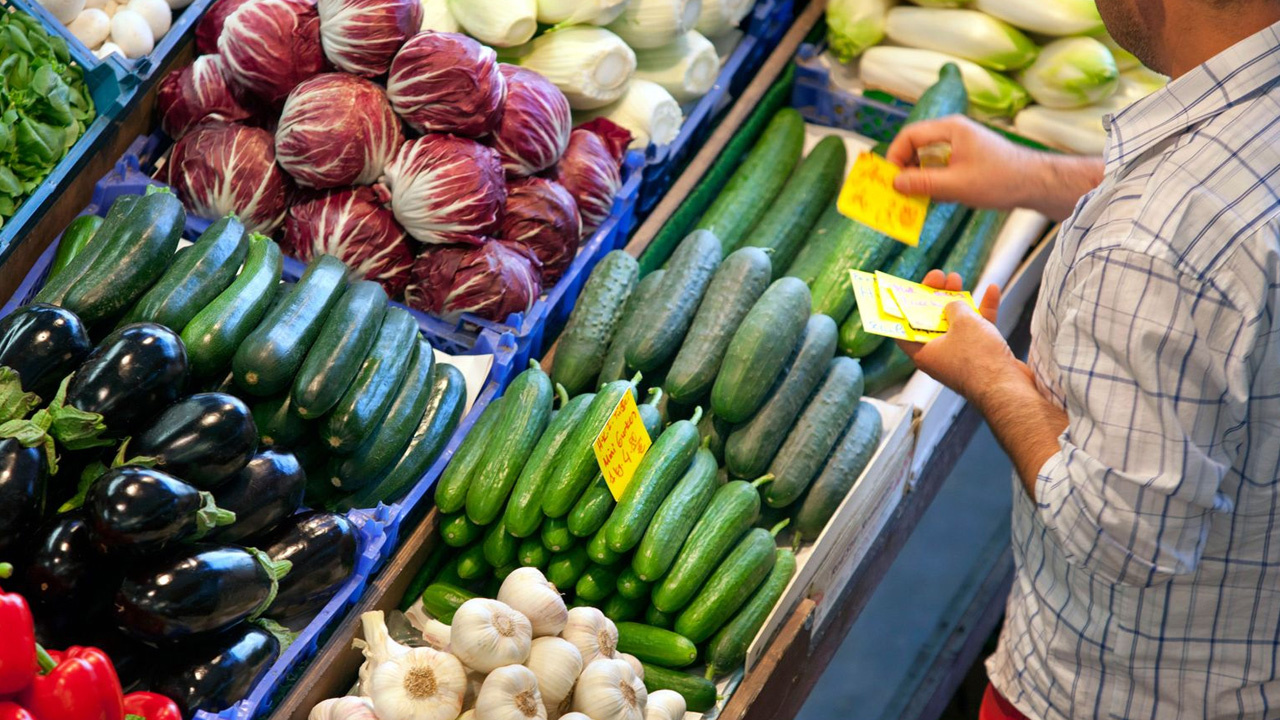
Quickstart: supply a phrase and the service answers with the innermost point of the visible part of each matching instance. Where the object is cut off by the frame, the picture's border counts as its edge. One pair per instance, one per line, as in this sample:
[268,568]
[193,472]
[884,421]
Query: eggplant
[267,490]
[325,546]
[214,673]
[205,589]
[43,343]
[63,570]
[24,473]
[204,439]
[137,371]
[139,511]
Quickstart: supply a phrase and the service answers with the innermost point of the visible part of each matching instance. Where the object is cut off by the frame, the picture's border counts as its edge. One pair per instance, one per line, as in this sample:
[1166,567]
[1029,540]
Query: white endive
[636,666]
[1047,17]
[592,633]
[527,591]
[719,17]
[590,65]
[1080,130]
[500,23]
[648,111]
[686,68]
[579,12]
[610,689]
[422,684]
[1071,73]
[665,705]
[942,3]
[510,693]
[966,34]
[436,16]
[343,708]
[1125,60]
[654,23]
[487,634]
[557,664]
[908,72]
[377,645]
[855,25]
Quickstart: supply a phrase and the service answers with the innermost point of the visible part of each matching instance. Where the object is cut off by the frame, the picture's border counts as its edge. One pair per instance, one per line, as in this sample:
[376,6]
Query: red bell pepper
[17,643]
[80,684]
[14,711]
[150,706]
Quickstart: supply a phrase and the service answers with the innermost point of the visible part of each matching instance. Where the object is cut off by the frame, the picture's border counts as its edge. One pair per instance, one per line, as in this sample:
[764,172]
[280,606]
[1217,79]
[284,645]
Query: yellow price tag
[621,445]
[923,307]
[869,198]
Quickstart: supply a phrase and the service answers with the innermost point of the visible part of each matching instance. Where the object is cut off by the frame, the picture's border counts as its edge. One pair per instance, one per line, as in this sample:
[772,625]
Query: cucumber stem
[635,379]
[655,396]
[697,415]
[562,394]
[766,478]
[778,528]
[711,672]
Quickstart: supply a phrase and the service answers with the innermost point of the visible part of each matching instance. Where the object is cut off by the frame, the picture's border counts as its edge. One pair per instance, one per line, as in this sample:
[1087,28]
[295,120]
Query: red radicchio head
[196,93]
[269,46]
[220,169]
[336,130]
[491,280]
[535,123]
[354,226]
[447,189]
[361,36]
[542,216]
[210,26]
[446,82]
[590,172]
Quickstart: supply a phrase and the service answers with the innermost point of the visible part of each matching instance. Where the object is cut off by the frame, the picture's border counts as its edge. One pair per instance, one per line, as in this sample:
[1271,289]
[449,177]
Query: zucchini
[599,551]
[472,565]
[621,609]
[656,645]
[370,394]
[614,366]
[676,518]
[655,617]
[74,238]
[214,334]
[576,462]
[57,283]
[841,471]
[751,446]
[442,600]
[586,337]
[457,530]
[659,471]
[524,509]
[968,256]
[592,509]
[656,340]
[885,368]
[757,182]
[699,693]
[267,361]
[555,535]
[451,491]
[759,350]
[564,568]
[730,585]
[524,417]
[727,649]
[733,510]
[786,224]
[340,349]
[815,434]
[631,586]
[500,546]
[195,277]
[596,583]
[278,425]
[735,287]
[532,554]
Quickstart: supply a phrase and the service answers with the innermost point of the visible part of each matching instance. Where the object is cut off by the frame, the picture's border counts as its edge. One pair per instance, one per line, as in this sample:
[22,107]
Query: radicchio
[269,46]
[337,129]
[352,225]
[210,26]
[196,93]
[542,216]
[361,36]
[220,169]
[491,281]
[447,189]
[446,82]
[590,171]
[535,123]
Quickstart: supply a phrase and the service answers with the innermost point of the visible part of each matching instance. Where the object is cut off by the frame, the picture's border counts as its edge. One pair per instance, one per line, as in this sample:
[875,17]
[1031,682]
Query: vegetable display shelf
[765,27]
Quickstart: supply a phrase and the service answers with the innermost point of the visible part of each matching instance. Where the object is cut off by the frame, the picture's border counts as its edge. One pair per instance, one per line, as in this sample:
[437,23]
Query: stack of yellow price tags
[901,309]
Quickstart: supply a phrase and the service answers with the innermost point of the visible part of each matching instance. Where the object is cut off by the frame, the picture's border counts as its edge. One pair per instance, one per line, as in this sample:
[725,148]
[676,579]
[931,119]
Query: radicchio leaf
[447,189]
[446,82]
[491,280]
[354,226]
[542,216]
[337,129]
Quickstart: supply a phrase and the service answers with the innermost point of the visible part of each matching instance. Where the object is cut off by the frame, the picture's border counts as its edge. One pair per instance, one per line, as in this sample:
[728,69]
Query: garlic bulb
[510,693]
[592,633]
[527,591]
[557,664]
[436,633]
[610,689]
[665,705]
[634,662]
[574,716]
[468,715]
[377,645]
[487,634]
[343,708]
[422,684]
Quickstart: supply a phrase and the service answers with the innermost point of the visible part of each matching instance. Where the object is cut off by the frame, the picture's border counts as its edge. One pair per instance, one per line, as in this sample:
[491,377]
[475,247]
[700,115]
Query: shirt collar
[1209,89]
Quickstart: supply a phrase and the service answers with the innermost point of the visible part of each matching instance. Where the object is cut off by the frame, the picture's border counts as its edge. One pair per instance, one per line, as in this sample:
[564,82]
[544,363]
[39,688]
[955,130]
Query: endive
[500,23]
[654,23]
[687,68]
[1071,73]
[967,34]
[721,16]
[1124,59]
[647,110]
[1081,130]
[1047,17]
[579,12]
[855,25]
[590,65]
[908,72]
[942,3]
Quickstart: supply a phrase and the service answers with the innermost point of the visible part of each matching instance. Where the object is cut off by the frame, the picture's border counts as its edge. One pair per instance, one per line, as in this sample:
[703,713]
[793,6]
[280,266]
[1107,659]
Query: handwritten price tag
[621,445]
[869,198]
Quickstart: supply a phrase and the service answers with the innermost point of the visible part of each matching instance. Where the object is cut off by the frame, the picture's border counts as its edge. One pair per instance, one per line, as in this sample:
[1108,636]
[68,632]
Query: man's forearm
[1025,424]
[1057,182]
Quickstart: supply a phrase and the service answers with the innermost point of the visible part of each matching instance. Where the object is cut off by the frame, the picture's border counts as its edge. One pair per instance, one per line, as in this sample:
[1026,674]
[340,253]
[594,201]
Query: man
[1145,429]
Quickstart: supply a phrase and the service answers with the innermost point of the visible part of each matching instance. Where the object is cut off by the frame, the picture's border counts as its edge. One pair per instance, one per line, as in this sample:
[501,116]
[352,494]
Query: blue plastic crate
[878,117]
[766,26]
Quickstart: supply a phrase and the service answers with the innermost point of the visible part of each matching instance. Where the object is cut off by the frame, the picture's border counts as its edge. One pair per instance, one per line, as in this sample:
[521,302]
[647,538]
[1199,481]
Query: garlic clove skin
[574,716]
[468,715]
[529,592]
[422,684]
[556,663]
[510,693]
[634,662]
[608,688]
[488,634]
[665,705]
[377,645]
[343,708]
[592,633]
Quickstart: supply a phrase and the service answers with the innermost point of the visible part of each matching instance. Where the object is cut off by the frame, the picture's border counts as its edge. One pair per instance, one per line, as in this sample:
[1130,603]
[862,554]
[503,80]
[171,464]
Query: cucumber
[267,361]
[555,535]
[214,334]
[499,574]
[340,349]
[596,583]
[757,181]
[278,425]
[699,693]
[733,510]
[714,432]
[656,645]
[885,368]
[576,461]
[650,415]
[564,568]
[448,575]
[500,546]
[524,509]
[655,617]
[669,315]
[524,417]
[730,585]
[727,649]
[422,578]
[532,554]
[836,238]
[472,565]
[367,399]
[457,530]
[752,445]
[631,586]
[676,518]
[195,277]
[659,471]
[599,551]
[759,350]
[614,366]
[786,224]
[735,287]
[814,435]
[442,600]
[74,238]
[586,337]
[840,472]
[592,509]
[58,282]
[968,256]
[440,418]
[451,491]
[621,609]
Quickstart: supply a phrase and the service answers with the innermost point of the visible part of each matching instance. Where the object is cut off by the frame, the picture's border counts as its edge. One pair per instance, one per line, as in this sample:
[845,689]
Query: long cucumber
[524,418]
[524,509]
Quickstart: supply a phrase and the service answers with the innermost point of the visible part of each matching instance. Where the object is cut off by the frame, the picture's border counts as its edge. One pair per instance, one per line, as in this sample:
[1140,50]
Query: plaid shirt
[1148,582]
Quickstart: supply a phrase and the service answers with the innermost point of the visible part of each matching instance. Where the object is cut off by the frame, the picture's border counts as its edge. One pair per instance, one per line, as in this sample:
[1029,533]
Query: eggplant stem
[14,402]
[276,569]
[282,634]
[210,516]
